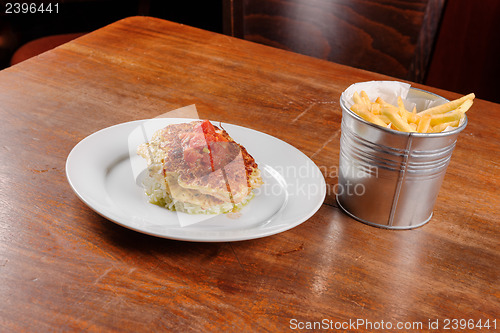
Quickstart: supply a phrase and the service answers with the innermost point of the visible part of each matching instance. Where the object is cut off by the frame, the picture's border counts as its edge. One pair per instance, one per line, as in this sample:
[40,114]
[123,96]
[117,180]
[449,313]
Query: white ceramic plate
[106,173]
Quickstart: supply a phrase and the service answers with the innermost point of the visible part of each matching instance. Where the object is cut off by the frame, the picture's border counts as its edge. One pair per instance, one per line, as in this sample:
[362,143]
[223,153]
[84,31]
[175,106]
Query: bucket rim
[396,132]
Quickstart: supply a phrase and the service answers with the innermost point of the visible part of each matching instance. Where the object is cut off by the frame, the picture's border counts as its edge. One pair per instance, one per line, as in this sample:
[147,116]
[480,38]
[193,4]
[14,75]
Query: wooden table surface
[65,268]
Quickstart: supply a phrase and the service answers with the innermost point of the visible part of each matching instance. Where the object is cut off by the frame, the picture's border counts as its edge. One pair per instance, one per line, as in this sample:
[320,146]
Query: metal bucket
[389,178]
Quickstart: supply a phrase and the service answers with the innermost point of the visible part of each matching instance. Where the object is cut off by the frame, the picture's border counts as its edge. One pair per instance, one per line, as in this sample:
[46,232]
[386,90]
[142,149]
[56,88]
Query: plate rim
[263,233]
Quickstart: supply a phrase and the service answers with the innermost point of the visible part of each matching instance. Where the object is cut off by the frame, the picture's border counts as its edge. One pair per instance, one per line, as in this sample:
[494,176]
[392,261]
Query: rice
[156,188]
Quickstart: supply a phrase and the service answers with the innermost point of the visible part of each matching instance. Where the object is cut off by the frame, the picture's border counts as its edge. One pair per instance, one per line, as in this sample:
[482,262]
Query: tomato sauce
[207,149]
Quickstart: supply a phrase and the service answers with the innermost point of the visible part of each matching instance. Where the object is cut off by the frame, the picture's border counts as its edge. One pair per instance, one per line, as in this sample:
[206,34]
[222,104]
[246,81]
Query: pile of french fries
[432,120]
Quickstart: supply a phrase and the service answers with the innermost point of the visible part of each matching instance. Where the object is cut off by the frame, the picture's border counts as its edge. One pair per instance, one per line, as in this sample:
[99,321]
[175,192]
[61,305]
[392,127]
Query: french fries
[432,120]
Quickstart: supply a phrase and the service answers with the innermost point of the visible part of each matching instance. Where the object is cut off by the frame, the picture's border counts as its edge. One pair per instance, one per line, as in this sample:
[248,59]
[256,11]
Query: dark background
[466,57]
[88,15]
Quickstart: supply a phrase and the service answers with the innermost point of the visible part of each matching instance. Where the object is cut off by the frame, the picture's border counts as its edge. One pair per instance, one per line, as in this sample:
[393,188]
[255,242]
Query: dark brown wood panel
[389,37]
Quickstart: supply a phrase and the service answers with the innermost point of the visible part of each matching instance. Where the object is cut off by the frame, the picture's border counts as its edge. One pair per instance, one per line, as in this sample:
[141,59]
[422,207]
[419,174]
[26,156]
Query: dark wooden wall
[467,53]
[390,37]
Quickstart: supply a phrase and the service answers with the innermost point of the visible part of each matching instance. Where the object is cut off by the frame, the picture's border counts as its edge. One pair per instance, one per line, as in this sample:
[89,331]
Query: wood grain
[65,268]
[391,37]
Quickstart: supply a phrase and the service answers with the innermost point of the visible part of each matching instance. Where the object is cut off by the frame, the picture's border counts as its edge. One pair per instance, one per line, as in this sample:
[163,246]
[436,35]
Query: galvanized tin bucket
[389,178]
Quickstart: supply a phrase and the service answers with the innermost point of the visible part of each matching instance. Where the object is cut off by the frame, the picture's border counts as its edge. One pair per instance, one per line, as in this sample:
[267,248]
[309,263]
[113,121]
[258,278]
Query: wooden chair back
[393,37]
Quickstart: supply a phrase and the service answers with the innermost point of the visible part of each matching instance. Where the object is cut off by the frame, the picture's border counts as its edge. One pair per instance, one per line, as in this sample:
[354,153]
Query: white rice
[156,189]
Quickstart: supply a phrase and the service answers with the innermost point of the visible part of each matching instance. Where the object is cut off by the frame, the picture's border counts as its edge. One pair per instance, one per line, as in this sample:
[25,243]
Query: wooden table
[65,268]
